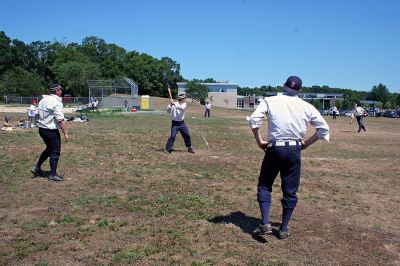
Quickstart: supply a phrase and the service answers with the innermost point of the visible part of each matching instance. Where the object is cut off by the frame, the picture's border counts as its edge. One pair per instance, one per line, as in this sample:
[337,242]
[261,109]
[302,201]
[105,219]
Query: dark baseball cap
[294,83]
[54,87]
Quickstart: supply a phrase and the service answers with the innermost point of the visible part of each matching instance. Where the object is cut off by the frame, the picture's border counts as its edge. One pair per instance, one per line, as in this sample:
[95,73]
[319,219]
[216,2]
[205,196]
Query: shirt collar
[57,97]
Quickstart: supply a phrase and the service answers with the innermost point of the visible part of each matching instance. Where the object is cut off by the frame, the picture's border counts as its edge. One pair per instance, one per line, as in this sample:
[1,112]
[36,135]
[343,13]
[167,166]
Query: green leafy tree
[74,75]
[20,82]
[389,105]
[20,53]
[338,104]
[6,55]
[196,91]
[316,104]
[69,53]
[147,71]
[94,48]
[379,104]
[41,57]
[397,97]
[113,64]
[379,93]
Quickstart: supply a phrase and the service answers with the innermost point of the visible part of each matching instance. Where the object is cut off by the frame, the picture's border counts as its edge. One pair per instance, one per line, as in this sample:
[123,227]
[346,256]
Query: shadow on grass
[244,222]
[43,174]
[163,149]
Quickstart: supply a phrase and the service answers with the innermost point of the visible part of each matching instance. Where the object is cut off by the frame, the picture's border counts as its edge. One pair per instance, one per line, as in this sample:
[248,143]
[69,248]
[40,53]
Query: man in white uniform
[51,118]
[288,117]
[359,113]
[177,110]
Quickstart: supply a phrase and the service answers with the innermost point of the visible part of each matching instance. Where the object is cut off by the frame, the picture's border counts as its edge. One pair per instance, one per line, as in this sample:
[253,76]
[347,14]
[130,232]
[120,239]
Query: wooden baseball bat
[166,82]
[170,94]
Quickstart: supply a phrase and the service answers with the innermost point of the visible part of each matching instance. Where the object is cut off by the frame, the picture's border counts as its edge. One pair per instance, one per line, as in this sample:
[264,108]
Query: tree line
[28,69]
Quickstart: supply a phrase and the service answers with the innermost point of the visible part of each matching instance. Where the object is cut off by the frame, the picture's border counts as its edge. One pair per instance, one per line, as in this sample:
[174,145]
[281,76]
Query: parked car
[376,112]
[346,113]
[327,112]
[390,114]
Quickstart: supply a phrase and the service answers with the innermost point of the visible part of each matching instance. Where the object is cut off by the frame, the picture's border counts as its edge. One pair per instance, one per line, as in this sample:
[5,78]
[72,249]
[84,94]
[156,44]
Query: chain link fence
[102,102]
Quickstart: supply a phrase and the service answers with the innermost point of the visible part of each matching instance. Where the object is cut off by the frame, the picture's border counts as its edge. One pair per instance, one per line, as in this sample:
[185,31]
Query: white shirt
[177,111]
[358,111]
[50,112]
[208,106]
[32,111]
[288,117]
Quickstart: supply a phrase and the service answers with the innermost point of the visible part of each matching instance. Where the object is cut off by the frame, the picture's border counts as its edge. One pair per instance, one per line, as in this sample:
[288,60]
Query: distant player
[207,109]
[359,113]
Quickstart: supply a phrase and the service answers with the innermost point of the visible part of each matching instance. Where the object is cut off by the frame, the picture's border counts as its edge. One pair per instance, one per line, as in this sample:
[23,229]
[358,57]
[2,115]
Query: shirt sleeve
[170,107]
[319,123]
[258,115]
[58,112]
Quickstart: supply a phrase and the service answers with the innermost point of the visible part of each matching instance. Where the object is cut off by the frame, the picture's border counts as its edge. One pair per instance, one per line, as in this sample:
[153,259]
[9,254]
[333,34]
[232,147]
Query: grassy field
[126,202]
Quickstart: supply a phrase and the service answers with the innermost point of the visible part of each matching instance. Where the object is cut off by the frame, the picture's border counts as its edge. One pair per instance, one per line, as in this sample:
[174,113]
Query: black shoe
[282,235]
[263,229]
[56,178]
[36,171]
[167,151]
[191,150]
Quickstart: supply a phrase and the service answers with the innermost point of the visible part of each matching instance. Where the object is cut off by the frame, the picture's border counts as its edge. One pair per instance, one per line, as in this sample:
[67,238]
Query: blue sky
[350,44]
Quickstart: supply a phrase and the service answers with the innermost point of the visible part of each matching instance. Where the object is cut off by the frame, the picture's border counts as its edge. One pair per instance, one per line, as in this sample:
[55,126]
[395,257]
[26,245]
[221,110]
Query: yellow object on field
[145,102]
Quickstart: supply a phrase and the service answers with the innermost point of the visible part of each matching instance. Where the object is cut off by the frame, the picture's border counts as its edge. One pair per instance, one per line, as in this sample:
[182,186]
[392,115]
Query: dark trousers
[52,139]
[285,160]
[360,121]
[207,113]
[178,126]
[334,115]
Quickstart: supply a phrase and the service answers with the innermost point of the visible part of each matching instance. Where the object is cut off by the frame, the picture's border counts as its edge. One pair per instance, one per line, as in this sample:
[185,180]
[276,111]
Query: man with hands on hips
[288,117]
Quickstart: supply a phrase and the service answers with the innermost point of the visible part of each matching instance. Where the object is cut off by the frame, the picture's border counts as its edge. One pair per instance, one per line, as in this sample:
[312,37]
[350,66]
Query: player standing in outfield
[359,113]
[288,117]
[177,110]
[334,112]
[51,118]
[207,109]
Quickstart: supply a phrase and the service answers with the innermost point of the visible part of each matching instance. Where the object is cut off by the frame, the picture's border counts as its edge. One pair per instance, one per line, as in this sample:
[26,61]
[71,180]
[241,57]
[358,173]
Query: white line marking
[205,140]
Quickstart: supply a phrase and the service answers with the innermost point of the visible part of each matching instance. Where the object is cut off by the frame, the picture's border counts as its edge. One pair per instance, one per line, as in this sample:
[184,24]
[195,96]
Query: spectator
[33,112]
